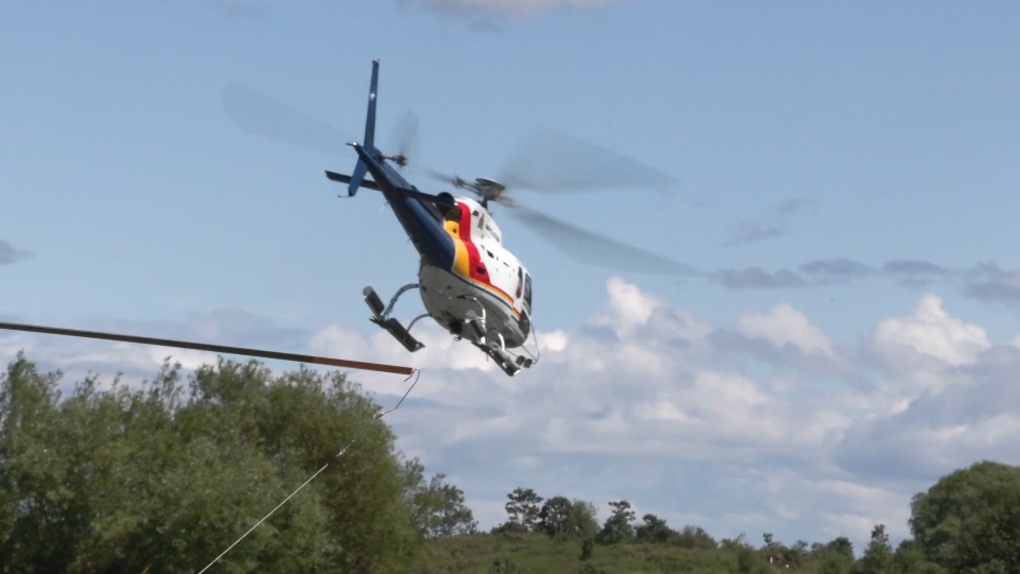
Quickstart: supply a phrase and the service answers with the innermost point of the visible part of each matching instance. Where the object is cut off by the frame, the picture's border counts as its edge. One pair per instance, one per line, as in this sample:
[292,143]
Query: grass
[538,554]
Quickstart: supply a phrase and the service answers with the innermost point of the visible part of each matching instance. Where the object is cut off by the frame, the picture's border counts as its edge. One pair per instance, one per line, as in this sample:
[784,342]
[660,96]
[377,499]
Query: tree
[617,527]
[772,551]
[991,542]
[564,519]
[842,546]
[878,556]
[835,556]
[910,559]
[653,530]
[691,536]
[523,509]
[794,555]
[554,518]
[437,508]
[166,476]
[953,505]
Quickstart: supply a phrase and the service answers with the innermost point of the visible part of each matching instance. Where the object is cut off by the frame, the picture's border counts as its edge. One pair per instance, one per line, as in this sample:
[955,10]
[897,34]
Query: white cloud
[931,332]
[649,403]
[783,325]
[628,306]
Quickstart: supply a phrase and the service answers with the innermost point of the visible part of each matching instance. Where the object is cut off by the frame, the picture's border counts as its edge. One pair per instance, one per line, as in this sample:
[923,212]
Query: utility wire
[364,427]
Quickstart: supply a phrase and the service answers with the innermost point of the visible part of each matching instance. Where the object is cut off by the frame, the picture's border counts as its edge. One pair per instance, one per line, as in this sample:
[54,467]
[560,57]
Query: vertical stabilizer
[369,144]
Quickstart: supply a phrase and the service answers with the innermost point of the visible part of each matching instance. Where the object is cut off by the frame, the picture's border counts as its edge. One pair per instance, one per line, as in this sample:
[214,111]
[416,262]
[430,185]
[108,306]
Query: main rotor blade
[553,161]
[257,113]
[343,363]
[594,249]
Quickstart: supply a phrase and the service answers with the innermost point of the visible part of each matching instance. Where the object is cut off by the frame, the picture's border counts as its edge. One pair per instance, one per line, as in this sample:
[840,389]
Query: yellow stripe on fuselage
[462,265]
[461,260]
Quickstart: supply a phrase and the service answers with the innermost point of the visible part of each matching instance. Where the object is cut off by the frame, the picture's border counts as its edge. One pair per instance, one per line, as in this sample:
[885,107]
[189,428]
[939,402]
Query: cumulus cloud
[929,333]
[512,8]
[783,325]
[9,254]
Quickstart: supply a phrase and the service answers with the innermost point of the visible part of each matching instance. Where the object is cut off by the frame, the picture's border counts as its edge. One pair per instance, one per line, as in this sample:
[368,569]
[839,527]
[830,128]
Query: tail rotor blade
[405,137]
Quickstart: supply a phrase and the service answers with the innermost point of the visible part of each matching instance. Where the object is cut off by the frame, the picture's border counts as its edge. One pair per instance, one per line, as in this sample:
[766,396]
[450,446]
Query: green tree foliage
[504,565]
[653,530]
[164,478]
[991,542]
[437,508]
[773,551]
[749,561]
[833,557]
[587,549]
[796,555]
[617,527]
[955,505]
[910,559]
[523,508]
[878,556]
[565,519]
[694,537]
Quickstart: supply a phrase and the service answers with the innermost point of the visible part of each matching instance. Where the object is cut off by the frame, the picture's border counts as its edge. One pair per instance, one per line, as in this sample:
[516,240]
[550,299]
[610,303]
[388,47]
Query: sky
[847,185]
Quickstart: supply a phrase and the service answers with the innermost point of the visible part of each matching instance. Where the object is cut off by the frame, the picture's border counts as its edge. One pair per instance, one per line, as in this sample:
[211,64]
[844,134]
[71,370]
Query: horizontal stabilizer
[343,178]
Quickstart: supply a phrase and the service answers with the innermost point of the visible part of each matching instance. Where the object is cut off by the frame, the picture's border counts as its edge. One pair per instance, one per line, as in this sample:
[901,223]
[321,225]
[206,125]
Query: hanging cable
[363,428]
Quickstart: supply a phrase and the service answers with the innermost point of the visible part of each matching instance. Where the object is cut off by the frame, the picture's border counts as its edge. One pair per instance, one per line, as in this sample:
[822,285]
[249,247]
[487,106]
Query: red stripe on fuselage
[476,267]
[477,270]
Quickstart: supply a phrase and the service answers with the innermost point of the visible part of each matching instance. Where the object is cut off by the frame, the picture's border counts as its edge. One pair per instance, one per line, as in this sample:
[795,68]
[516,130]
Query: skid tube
[380,316]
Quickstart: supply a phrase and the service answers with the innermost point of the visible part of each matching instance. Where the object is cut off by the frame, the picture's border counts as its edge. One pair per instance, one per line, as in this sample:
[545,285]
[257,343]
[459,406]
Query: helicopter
[470,283]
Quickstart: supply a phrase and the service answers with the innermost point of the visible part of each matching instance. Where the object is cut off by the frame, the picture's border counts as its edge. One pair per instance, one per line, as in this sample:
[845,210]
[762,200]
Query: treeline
[166,476]
[968,522]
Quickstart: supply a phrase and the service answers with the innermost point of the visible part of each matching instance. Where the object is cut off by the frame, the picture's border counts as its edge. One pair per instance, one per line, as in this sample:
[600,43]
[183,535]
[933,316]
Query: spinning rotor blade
[594,249]
[260,114]
[553,161]
[343,363]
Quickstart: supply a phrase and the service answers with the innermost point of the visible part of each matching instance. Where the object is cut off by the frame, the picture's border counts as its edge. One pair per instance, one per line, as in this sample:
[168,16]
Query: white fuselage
[487,292]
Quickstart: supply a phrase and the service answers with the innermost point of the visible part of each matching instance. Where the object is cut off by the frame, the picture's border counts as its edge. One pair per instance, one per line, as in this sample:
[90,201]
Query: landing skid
[511,365]
[380,316]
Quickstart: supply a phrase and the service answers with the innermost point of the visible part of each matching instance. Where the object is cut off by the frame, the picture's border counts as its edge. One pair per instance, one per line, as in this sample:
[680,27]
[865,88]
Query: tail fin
[369,144]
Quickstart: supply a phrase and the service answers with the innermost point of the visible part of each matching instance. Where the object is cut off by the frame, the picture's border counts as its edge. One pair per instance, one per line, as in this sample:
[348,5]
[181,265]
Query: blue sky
[848,182]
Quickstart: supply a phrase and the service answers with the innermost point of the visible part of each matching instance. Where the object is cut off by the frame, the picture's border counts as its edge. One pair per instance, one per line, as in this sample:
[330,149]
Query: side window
[520,282]
[527,293]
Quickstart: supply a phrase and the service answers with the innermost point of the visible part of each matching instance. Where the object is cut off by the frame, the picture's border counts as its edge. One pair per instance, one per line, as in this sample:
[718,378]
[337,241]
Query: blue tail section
[360,169]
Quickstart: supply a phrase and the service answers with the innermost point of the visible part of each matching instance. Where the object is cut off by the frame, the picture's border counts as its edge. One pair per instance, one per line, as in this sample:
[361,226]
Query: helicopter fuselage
[469,282]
